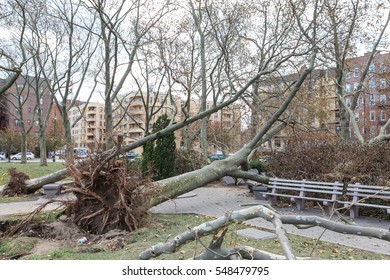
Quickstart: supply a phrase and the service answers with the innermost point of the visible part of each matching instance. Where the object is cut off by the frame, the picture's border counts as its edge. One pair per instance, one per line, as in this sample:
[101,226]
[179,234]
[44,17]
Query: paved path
[217,200]
[19,208]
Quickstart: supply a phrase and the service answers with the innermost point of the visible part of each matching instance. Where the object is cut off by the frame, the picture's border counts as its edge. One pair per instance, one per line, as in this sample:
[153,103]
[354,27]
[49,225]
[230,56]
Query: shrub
[159,156]
[333,161]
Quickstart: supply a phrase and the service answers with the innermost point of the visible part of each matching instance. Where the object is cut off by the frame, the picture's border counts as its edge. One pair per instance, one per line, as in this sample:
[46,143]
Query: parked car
[2,156]
[80,153]
[18,156]
[130,155]
[217,156]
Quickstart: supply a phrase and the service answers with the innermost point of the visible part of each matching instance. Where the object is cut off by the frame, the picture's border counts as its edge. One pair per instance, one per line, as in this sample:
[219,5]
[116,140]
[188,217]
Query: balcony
[91,116]
[136,101]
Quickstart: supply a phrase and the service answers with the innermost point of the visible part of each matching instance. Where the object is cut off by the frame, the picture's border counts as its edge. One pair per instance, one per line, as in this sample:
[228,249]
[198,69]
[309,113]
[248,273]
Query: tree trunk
[68,136]
[23,146]
[109,125]
[184,183]
[42,151]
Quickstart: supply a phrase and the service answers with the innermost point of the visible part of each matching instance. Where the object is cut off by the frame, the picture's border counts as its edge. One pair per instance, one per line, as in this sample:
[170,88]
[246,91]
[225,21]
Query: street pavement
[216,200]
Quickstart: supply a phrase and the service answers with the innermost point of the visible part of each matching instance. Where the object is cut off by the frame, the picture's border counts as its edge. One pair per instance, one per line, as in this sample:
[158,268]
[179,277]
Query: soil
[65,234]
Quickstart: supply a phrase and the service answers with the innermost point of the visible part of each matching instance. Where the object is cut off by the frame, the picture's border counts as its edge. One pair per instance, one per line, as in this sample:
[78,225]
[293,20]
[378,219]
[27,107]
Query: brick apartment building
[372,110]
[22,102]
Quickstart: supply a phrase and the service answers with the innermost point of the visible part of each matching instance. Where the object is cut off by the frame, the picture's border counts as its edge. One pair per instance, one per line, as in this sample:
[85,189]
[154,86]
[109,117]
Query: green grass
[13,247]
[163,227]
[32,169]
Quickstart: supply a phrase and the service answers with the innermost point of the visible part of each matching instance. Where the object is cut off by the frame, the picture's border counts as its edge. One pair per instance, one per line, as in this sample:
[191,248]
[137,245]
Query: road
[34,160]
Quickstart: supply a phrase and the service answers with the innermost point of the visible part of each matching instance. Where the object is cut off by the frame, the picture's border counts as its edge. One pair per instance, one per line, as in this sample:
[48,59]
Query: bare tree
[359,92]
[346,24]
[65,49]
[123,29]
[284,50]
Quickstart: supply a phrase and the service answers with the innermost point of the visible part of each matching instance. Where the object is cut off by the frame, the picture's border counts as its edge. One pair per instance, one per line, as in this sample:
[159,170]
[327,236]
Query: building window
[372,84]
[21,98]
[382,99]
[347,75]
[41,101]
[357,117]
[348,101]
[372,68]
[372,99]
[356,72]
[278,143]
[348,88]
[372,132]
[383,116]
[372,116]
[29,110]
[383,83]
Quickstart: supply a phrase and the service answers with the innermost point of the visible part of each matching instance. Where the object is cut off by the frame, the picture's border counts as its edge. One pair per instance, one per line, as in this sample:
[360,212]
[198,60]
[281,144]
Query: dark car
[130,155]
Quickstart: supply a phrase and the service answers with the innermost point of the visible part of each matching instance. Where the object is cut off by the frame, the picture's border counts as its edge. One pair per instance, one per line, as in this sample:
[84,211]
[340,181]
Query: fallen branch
[259,211]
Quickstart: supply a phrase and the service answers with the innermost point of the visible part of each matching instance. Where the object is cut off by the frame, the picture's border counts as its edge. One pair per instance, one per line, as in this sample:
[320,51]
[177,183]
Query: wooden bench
[359,194]
[300,191]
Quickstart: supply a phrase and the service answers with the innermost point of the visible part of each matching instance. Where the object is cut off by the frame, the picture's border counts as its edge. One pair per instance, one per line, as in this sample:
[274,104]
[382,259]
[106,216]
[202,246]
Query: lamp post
[55,137]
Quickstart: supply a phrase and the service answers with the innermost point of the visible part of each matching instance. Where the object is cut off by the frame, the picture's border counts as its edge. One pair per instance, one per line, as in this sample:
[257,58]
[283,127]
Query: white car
[2,156]
[18,156]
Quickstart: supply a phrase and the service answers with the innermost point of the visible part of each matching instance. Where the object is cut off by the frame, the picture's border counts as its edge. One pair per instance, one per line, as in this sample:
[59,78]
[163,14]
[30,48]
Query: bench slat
[308,182]
[365,204]
[299,197]
[303,185]
[359,191]
[368,187]
[305,189]
[369,196]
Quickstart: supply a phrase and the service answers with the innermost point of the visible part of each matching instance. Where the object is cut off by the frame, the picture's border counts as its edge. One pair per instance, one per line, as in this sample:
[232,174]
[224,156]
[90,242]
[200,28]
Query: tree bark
[268,214]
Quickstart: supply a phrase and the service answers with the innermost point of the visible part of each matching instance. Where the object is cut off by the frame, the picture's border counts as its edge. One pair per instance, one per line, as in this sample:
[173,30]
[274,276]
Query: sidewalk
[24,207]
[215,201]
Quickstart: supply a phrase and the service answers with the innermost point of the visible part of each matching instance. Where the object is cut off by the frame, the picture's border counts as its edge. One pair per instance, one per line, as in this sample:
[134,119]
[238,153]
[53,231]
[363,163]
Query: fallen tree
[235,165]
[215,250]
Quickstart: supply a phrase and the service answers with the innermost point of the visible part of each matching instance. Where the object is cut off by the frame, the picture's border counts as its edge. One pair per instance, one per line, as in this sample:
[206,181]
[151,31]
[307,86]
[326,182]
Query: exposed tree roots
[108,197]
[17,183]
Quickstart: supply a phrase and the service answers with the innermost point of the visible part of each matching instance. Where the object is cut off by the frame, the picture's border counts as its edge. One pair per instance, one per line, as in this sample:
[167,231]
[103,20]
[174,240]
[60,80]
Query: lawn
[32,169]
